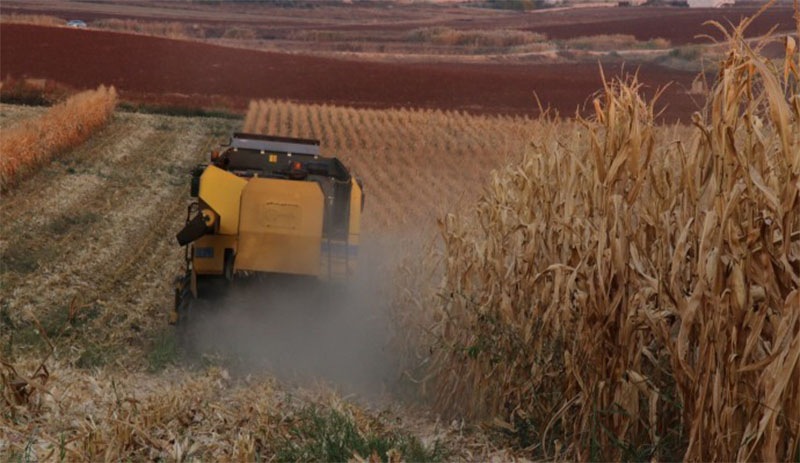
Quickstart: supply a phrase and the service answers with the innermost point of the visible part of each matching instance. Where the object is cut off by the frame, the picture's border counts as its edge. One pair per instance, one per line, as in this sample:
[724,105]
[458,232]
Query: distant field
[196,74]
[679,25]
[376,56]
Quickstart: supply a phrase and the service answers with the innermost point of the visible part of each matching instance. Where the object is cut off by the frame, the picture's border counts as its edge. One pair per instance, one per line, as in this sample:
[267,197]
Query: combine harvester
[267,206]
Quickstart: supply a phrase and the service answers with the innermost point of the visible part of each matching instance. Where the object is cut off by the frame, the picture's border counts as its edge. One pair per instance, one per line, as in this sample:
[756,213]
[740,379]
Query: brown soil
[678,25]
[191,73]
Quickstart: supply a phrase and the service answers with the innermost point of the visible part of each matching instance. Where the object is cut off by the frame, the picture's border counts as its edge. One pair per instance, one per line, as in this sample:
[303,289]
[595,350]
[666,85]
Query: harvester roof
[281,157]
[275,144]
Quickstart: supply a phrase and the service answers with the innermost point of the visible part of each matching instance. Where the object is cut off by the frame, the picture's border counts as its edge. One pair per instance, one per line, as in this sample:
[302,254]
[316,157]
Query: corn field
[415,164]
[29,145]
[631,292]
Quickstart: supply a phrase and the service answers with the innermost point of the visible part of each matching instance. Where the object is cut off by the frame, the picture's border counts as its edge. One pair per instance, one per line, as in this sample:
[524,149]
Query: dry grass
[71,415]
[625,292]
[170,29]
[474,38]
[613,42]
[30,144]
[36,19]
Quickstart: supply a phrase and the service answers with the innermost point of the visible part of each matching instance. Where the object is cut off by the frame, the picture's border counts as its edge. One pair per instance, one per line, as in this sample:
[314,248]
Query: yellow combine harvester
[268,205]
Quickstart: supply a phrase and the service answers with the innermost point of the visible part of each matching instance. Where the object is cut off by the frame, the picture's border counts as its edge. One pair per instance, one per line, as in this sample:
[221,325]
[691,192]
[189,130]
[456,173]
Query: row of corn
[629,291]
[31,144]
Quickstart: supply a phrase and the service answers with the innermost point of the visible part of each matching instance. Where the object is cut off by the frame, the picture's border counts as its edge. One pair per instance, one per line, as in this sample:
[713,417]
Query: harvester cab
[268,205]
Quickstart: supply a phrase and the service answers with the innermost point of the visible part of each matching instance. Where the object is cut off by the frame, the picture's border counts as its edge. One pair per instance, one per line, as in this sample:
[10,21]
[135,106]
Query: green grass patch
[62,224]
[24,260]
[59,325]
[92,356]
[165,350]
[330,435]
[179,111]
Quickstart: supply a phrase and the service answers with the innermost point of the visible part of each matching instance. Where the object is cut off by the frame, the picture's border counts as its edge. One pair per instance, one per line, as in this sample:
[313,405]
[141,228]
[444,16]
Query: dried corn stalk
[634,292]
[31,144]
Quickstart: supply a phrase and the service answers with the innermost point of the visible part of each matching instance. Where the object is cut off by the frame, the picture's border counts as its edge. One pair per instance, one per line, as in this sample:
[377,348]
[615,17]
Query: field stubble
[100,231]
[32,143]
[13,114]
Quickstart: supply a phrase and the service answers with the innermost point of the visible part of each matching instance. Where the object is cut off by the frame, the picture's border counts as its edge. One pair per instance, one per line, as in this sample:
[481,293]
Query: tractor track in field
[60,186]
[20,113]
[97,226]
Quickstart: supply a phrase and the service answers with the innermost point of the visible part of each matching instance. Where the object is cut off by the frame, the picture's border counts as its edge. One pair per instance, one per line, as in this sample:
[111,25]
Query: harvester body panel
[280,227]
[222,192]
[208,253]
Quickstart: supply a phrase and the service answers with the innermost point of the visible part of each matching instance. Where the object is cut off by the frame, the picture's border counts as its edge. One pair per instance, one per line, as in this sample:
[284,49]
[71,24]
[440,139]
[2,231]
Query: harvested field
[190,74]
[123,190]
[17,113]
[132,177]
[33,143]
[91,270]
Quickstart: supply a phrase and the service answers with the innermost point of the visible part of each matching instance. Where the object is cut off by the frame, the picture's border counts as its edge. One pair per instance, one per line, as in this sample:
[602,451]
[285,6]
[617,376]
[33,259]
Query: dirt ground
[196,73]
[190,74]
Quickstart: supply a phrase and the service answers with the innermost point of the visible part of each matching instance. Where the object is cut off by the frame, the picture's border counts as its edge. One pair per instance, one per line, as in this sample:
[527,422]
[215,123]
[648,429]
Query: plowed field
[191,73]
[678,25]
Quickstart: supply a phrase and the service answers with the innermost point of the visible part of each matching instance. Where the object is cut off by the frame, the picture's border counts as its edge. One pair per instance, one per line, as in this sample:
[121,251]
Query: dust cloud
[305,331]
